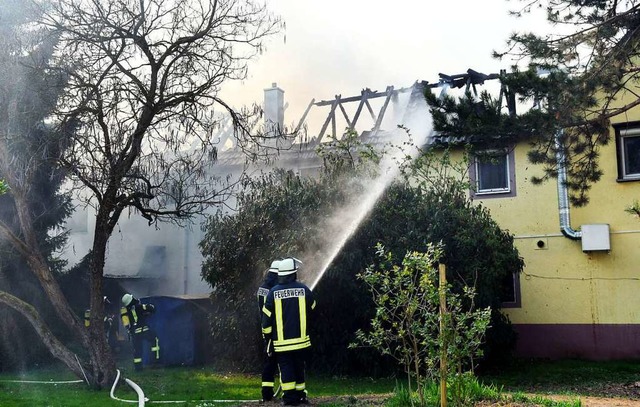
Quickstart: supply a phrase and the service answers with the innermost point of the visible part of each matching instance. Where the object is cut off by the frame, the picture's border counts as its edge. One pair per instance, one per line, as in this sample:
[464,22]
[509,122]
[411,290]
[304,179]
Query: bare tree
[141,91]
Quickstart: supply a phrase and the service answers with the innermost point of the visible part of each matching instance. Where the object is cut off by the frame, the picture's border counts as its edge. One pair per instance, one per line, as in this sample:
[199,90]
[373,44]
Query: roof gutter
[563,193]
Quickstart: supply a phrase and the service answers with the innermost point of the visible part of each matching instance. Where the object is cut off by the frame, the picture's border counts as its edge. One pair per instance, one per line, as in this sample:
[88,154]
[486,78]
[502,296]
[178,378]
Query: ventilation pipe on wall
[563,193]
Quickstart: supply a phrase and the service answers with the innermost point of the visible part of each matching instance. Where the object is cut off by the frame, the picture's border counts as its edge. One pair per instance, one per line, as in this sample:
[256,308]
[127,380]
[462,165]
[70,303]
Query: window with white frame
[492,173]
[628,146]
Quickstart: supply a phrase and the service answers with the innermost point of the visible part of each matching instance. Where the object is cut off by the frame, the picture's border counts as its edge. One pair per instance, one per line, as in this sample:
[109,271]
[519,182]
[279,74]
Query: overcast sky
[342,46]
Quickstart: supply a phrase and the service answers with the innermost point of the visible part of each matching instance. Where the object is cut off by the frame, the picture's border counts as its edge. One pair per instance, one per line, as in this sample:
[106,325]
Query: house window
[492,174]
[628,151]
[510,291]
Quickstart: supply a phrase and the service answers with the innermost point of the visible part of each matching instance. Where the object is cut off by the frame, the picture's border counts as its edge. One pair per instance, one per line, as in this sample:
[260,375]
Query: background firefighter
[109,327]
[270,364]
[285,316]
[134,317]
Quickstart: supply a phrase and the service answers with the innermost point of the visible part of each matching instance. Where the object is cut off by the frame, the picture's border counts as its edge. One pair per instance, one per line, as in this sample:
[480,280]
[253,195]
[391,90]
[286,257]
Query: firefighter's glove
[151,307]
[269,347]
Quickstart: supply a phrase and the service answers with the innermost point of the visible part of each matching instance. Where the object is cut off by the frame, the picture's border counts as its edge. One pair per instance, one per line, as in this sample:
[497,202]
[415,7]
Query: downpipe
[563,193]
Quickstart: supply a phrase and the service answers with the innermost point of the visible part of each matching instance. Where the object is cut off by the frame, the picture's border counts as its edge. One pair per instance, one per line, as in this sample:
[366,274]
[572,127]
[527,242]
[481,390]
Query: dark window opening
[510,291]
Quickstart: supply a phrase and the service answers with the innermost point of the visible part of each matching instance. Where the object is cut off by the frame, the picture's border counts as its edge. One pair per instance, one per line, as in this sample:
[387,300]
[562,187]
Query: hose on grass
[138,390]
[113,389]
[42,381]
[142,399]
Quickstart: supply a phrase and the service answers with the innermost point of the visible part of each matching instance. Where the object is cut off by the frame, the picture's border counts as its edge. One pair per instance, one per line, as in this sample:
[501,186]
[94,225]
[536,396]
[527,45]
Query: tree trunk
[102,366]
[57,348]
[103,363]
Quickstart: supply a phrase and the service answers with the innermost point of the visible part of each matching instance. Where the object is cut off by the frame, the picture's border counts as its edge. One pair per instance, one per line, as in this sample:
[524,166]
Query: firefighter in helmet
[285,318]
[134,317]
[270,364]
[108,321]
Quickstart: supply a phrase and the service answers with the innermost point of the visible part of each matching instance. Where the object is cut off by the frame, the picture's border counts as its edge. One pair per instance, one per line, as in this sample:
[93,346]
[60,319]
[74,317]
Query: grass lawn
[570,377]
[194,384]
[199,385]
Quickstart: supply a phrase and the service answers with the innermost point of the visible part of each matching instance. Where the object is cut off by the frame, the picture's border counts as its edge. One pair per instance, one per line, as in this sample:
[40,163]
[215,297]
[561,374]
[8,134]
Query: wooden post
[443,351]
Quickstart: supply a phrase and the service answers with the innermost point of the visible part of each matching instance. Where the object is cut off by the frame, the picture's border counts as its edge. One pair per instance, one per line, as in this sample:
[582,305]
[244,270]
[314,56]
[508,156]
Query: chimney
[273,110]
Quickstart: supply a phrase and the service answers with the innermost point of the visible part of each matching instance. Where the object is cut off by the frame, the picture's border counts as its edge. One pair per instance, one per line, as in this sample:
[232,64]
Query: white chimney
[274,109]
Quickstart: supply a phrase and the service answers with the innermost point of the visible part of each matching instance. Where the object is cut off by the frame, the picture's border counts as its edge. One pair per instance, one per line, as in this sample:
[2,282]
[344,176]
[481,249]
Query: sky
[333,47]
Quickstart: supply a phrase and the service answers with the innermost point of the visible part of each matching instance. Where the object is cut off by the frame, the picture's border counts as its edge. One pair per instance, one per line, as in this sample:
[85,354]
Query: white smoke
[345,221]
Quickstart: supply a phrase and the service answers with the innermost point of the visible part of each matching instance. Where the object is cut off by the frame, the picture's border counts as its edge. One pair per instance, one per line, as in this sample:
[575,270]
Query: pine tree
[572,77]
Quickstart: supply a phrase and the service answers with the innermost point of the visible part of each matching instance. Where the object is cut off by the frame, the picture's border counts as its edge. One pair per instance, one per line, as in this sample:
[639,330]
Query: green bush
[282,214]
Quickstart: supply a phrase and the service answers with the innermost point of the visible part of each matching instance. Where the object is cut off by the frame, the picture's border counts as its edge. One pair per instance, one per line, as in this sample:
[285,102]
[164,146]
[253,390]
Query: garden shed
[182,326]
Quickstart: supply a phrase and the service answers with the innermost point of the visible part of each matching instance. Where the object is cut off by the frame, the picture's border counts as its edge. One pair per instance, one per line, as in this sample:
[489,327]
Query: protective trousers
[268,376]
[141,336]
[292,376]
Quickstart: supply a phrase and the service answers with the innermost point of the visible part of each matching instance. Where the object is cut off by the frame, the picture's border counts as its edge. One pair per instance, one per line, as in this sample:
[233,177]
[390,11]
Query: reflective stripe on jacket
[285,316]
[270,280]
[134,317]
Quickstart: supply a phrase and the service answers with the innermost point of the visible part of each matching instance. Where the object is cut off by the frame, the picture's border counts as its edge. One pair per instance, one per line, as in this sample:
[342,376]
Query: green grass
[526,382]
[197,385]
[470,391]
[570,377]
[30,395]
[541,401]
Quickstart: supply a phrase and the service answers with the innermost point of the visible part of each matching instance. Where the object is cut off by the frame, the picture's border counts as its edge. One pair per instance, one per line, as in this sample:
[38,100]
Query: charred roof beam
[469,79]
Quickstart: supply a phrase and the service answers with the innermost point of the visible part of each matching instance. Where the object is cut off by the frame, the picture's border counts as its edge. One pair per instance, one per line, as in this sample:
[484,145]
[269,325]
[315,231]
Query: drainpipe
[563,193]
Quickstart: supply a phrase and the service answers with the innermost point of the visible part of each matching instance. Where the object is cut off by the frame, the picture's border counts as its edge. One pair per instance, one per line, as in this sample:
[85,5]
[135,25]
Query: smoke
[344,222]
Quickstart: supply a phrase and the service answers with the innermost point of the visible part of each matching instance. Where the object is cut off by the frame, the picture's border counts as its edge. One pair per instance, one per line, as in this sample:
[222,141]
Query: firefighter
[134,317]
[108,321]
[284,321]
[270,364]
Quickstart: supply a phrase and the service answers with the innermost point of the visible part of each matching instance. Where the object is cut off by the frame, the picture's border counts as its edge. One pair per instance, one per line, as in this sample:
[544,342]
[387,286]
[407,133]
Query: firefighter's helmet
[274,266]
[127,299]
[288,266]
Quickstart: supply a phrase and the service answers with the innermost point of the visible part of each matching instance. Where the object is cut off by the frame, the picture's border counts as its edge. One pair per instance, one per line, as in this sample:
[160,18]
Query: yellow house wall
[561,284]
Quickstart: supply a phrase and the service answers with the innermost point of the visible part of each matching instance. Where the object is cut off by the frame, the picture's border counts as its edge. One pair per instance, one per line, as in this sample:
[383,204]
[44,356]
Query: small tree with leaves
[407,319]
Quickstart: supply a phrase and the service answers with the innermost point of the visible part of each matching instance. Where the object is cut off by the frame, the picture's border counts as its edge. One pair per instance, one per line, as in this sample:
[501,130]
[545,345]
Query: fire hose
[142,399]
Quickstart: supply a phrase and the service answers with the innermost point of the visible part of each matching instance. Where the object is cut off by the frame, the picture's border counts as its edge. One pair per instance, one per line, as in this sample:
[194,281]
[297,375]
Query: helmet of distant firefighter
[288,266]
[127,299]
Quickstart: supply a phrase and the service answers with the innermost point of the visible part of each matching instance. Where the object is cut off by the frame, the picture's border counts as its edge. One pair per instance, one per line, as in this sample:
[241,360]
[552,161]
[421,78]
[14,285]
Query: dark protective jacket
[285,316]
[87,319]
[134,317]
[269,282]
